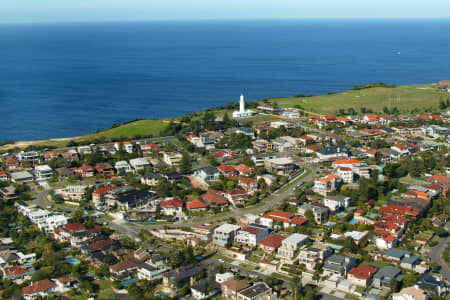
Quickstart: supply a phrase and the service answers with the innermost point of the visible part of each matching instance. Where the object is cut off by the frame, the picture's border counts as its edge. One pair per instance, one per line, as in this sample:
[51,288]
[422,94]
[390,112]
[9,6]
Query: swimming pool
[72,261]
[354,221]
[341,215]
[335,247]
[373,216]
[128,282]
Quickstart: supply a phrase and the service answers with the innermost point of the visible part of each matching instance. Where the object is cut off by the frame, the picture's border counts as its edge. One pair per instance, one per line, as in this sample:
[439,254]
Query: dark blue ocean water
[61,80]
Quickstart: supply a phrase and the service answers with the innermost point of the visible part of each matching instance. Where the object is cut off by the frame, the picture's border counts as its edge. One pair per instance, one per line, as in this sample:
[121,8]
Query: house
[84,171]
[258,291]
[122,167]
[146,271]
[126,146]
[237,197]
[11,163]
[214,199]
[228,171]
[384,276]
[286,218]
[123,268]
[395,209]
[290,246]
[280,166]
[335,203]
[248,184]
[268,179]
[204,232]
[171,207]
[320,213]
[175,279]
[281,145]
[151,179]
[104,169]
[127,197]
[64,233]
[64,173]
[196,205]
[232,287]
[362,275]
[251,235]
[332,153]
[21,177]
[17,274]
[395,254]
[204,289]
[4,176]
[339,265]
[172,159]
[98,195]
[314,254]
[41,288]
[410,293]
[140,163]
[222,277]
[386,242]
[207,174]
[244,170]
[429,282]
[225,234]
[327,184]
[261,158]
[345,173]
[271,243]
[43,172]
[245,130]
[28,156]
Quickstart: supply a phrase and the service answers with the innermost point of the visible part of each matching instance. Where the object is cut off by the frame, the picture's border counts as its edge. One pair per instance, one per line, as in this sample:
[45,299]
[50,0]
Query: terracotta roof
[327,178]
[225,168]
[38,287]
[14,270]
[103,190]
[102,244]
[346,169]
[172,203]
[272,240]
[433,187]
[213,197]
[349,161]
[439,178]
[279,215]
[124,265]
[363,271]
[399,210]
[246,180]
[244,169]
[74,227]
[298,221]
[196,203]
[390,238]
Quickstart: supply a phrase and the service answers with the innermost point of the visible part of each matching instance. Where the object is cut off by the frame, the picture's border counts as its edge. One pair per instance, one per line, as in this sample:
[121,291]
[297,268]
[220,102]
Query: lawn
[404,98]
[141,127]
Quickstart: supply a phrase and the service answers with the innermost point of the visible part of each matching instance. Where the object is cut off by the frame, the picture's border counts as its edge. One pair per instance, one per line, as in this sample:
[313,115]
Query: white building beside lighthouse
[242,113]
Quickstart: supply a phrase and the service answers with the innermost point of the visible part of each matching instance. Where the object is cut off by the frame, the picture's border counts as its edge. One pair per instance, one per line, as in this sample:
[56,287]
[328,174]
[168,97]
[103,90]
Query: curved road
[436,256]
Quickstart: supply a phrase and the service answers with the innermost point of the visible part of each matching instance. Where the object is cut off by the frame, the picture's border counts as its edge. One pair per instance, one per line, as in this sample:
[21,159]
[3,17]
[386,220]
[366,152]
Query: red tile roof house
[124,267]
[64,233]
[244,170]
[228,171]
[100,245]
[104,169]
[98,196]
[237,197]
[214,199]
[248,184]
[84,171]
[362,275]
[171,207]
[17,274]
[394,209]
[225,154]
[3,176]
[196,205]
[39,288]
[286,218]
[271,243]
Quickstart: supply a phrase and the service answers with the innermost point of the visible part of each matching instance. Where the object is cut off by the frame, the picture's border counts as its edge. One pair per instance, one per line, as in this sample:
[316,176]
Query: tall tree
[186,163]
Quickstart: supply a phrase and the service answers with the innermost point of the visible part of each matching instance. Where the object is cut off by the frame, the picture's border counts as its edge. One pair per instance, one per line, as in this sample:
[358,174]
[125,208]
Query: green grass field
[141,127]
[405,98]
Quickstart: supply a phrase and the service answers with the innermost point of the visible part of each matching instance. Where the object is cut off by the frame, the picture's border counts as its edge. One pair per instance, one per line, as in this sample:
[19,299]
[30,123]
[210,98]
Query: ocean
[68,79]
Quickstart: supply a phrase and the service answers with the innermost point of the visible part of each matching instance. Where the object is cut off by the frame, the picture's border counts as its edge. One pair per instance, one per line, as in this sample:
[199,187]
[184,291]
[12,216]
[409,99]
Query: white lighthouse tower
[242,113]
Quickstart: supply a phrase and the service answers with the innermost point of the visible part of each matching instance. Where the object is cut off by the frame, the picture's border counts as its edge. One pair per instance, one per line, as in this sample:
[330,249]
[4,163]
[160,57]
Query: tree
[395,285]
[78,215]
[186,163]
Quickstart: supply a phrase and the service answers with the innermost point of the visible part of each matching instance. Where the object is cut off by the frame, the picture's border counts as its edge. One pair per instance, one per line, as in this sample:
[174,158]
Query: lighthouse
[241,104]
[242,112]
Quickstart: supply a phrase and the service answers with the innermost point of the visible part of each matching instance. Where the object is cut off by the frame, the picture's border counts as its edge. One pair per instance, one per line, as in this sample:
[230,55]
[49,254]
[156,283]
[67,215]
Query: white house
[335,203]
[251,235]
[43,173]
[140,163]
[122,166]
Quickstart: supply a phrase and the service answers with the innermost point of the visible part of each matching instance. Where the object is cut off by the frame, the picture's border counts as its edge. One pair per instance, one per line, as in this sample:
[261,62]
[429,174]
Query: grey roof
[332,150]
[255,290]
[208,170]
[396,252]
[410,260]
[387,272]
[204,286]
[428,280]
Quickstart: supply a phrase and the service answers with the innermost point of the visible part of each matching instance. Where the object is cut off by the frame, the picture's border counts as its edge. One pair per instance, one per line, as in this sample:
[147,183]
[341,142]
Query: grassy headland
[406,99]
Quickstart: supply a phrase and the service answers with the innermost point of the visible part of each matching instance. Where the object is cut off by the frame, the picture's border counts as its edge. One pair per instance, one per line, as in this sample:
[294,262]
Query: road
[436,256]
